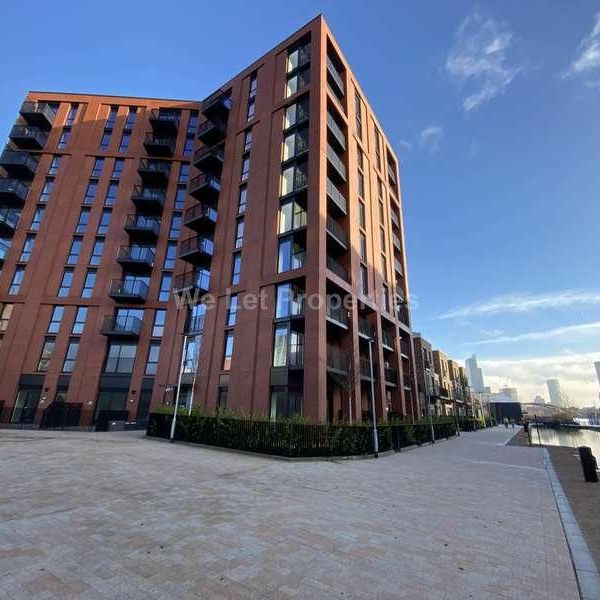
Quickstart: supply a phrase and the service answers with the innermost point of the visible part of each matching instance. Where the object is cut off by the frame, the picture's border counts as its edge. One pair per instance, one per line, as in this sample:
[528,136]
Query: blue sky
[493,107]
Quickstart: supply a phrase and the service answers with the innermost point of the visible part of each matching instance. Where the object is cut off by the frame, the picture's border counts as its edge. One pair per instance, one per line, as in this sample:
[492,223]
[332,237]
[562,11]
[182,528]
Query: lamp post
[429,398]
[373,411]
[181,366]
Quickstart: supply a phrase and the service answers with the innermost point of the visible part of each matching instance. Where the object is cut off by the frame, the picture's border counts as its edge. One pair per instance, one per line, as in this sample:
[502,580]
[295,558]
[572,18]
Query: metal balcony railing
[197,244]
[337,231]
[390,376]
[165,145]
[336,162]
[194,280]
[121,326]
[29,136]
[395,218]
[219,99]
[152,166]
[365,368]
[137,254]
[337,313]
[165,117]
[128,289]
[398,267]
[143,224]
[335,76]
[11,160]
[336,196]
[336,359]
[365,328]
[336,130]
[38,113]
[13,189]
[148,196]
[194,325]
[4,248]
[200,212]
[388,338]
[335,267]
[9,218]
[396,241]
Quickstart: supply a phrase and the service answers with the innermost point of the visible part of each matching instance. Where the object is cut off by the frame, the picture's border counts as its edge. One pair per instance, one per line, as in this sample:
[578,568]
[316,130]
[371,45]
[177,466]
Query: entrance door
[26,405]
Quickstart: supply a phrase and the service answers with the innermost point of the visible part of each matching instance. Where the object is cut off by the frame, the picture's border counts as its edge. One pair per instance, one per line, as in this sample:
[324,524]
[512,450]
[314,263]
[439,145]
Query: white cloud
[575,372]
[478,60]
[404,146]
[571,330]
[430,138]
[587,62]
[522,303]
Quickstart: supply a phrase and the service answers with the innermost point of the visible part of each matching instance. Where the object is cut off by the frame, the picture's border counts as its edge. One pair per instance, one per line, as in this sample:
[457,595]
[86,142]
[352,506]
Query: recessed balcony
[154,172]
[365,369]
[27,137]
[4,248]
[209,159]
[337,315]
[148,199]
[194,325]
[200,217]
[157,145]
[396,241]
[196,250]
[18,164]
[338,200]
[337,135]
[365,329]
[395,218]
[127,290]
[205,187]
[337,268]
[13,192]
[337,360]
[165,121]
[9,219]
[137,258]
[125,327]
[335,79]
[337,235]
[192,282]
[217,104]
[390,377]
[338,168]
[212,131]
[38,114]
[142,227]
[387,341]
[398,267]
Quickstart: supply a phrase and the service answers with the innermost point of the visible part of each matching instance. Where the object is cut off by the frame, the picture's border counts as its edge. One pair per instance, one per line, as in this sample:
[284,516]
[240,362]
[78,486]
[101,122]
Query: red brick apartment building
[280,187]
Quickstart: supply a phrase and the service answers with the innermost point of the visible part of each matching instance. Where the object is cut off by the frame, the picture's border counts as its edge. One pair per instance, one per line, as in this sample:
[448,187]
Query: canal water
[562,437]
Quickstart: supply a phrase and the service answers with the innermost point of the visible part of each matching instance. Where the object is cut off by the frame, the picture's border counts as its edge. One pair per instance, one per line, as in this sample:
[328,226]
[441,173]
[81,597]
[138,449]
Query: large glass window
[82,223]
[5,313]
[158,326]
[152,362]
[74,251]
[239,232]
[175,229]
[165,287]
[98,166]
[17,280]
[54,165]
[46,190]
[38,216]
[120,358]
[294,177]
[27,247]
[232,310]
[89,283]
[290,301]
[90,192]
[71,356]
[55,319]
[297,57]
[291,216]
[245,167]
[297,81]
[291,255]
[97,250]
[243,199]
[285,403]
[118,168]
[295,143]
[228,351]
[80,317]
[288,347]
[111,193]
[296,113]
[46,354]
[65,284]
[170,255]
[104,221]
[236,268]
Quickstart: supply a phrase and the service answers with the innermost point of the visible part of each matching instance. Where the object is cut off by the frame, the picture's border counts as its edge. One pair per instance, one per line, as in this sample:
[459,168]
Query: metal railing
[337,313]
[366,328]
[336,130]
[336,162]
[200,211]
[396,242]
[206,151]
[137,254]
[335,267]
[38,108]
[143,223]
[205,180]
[220,96]
[29,132]
[18,158]
[395,218]
[198,244]
[337,78]
[156,140]
[163,116]
[337,230]
[124,288]
[15,187]
[388,338]
[120,325]
[195,325]
[155,166]
[210,124]
[390,375]
[336,359]
[336,196]
[193,280]
[365,368]
[9,218]
[141,192]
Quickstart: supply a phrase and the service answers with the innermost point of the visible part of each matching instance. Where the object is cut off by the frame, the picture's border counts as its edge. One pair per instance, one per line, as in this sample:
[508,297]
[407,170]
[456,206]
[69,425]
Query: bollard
[588,464]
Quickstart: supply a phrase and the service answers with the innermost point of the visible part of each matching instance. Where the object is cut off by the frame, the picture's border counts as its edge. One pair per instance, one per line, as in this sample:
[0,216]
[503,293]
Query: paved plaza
[115,515]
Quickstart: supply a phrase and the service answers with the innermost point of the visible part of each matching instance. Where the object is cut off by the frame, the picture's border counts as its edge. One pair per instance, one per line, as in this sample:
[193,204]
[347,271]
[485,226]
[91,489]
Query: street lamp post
[429,398]
[373,411]
[181,366]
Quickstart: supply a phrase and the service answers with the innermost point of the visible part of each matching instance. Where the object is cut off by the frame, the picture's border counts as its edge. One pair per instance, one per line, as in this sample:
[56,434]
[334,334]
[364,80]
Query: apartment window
[79,323]
[71,356]
[251,109]
[175,229]
[46,190]
[245,167]
[294,178]
[358,114]
[5,313]
[252,97]
[297,81]
[152,362]
[288,346]
[124,143]
[363,247]
[120,358]
[290,256]
[71,115]
[386,298]
[165,287]
[111,193]
[82,223]
[27,247]
[381,213]
[360,158]
[65,283]
[192,123]
[188,145]
[55,319]
[118,168]
[239,232]
[158,326]
[291,216]
[17,280]
[90,192]
[296,113]
[74,251]
[112,117]
[361,185]
[228,351]
[97,250]
[253,85]
[46,354]
[297,57]
[89,283]
[104,222]
[362,215]
[98,166]
[364,280]
[248,140]
[64,138]
[289,301]
[384,269]
[378,149]
[242,199]
[36,221]
[180,197]
[184,173]
[295,143]
[130,120]
[170,255]
[232,310]
[382,239]
[222,398]
[54,165]
[236,268]
[105,141]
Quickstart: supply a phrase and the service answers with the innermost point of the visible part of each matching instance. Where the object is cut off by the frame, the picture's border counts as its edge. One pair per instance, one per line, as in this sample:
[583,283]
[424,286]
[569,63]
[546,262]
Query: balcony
[338,269]
[388,340]
[126,327]
[197,249]
[200,217]
[154,172]
[13,192]
[390,376]
[159,145]
[336,132]
[365,369]
[148,199]
[335,79]
[392,174]
[405,349]
[337,233]
[396,241]
[209,159]
[194,325]
[124,290]
[217,104]
[38,114]
[28,138]
[395,218]
[165,121]
[137,258]
[398,267]
[142,227]
[9,219]
[191,282]
[212,131]
[366,329]
[18,164]
[337,315]
[337,198]
[4,248]
[205,187]
[336,162]
[444,394]
[337,361]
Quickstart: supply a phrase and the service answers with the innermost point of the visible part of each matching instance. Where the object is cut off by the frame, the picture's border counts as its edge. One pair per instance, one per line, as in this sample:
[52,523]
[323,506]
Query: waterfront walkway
[114,515]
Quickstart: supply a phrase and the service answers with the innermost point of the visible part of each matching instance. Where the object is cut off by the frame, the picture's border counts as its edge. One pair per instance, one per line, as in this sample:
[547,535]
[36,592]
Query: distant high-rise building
[475,374]
[510,392]
[539,400]
[556,395]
